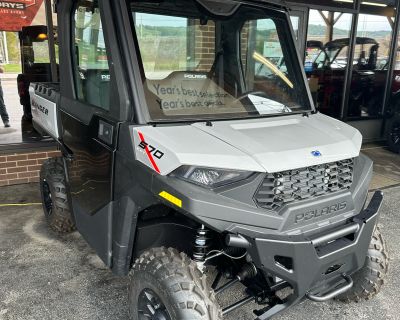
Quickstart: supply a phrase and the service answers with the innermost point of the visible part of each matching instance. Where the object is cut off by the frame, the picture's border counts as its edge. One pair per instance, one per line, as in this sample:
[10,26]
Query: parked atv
[190,144]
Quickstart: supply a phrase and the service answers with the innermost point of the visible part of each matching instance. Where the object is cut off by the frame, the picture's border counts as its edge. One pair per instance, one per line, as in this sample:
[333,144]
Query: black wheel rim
[48,203]
[395,133]
[150,306]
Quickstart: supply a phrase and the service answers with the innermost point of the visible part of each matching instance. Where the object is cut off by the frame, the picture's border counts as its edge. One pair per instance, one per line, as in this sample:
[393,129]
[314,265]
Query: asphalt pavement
[44,276]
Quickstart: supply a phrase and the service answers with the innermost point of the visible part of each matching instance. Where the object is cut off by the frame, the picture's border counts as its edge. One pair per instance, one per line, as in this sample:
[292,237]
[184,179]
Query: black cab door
[90,111]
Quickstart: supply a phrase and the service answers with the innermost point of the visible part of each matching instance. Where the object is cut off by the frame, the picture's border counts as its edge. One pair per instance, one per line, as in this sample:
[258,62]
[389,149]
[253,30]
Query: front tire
[369,279]
[55,198]
[173,286]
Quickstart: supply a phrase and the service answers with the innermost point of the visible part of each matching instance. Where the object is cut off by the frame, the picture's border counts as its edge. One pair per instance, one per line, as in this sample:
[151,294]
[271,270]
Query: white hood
[263,145]
[289,142]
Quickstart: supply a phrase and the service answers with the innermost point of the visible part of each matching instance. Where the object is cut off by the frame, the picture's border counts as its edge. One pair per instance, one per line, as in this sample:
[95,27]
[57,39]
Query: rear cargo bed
[44,100]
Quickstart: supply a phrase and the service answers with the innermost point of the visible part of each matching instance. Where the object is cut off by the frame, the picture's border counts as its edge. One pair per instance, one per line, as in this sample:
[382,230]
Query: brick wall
[204,46]
[23,167]
[244,44]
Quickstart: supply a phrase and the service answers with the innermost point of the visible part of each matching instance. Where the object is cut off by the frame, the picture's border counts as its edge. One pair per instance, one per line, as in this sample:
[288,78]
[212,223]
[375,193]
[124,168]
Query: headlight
[209,177]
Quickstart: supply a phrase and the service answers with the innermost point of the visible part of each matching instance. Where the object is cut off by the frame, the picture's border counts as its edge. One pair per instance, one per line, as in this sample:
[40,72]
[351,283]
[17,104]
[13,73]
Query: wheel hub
[151,307]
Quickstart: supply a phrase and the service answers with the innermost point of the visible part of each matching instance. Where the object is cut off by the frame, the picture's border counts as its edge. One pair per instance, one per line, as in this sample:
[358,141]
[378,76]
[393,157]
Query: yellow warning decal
[169,197]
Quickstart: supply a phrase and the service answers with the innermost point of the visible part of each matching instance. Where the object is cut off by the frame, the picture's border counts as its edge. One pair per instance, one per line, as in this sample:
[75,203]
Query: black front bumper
[313,266]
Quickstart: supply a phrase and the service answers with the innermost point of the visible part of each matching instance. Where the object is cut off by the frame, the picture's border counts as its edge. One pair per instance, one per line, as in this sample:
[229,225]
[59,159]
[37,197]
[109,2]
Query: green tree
[13,47]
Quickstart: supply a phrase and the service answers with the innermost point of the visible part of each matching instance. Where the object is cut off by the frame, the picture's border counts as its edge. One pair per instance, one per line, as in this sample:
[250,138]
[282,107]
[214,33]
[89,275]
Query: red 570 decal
[155,152]
[151,152]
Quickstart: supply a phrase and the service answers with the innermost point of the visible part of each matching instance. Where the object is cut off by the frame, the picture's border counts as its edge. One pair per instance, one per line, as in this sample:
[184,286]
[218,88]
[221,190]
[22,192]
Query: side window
[92,71]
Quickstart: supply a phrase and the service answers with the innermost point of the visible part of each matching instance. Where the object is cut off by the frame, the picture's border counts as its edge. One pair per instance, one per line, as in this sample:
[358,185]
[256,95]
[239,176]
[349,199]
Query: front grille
[280,188]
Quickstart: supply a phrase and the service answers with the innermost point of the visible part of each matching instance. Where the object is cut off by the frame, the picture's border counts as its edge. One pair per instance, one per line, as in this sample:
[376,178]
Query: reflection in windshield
[267,106]
[194,68]
[258,57]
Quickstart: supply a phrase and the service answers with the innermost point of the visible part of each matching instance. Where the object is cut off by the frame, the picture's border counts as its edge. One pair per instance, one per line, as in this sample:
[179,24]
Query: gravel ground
[43,276]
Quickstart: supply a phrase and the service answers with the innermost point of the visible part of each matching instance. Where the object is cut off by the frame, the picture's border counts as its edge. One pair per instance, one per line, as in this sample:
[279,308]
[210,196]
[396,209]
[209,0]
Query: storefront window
[370,66]
[327,57]
[24,58]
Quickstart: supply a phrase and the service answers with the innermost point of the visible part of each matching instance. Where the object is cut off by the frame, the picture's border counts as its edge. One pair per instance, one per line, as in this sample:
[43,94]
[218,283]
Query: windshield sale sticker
[181,93]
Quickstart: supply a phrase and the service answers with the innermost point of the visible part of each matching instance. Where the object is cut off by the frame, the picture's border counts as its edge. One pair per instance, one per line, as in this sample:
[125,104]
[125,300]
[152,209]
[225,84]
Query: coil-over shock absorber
[201,246]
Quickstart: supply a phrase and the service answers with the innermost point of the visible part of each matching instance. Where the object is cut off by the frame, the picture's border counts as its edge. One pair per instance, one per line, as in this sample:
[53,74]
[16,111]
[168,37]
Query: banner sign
[15,14]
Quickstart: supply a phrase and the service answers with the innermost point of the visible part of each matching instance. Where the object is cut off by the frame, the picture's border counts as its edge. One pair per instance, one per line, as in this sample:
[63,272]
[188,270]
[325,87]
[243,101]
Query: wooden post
[329,26]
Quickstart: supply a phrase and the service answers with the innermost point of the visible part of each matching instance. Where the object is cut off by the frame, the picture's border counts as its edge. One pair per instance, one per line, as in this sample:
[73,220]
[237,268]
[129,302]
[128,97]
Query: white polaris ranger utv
[191,148]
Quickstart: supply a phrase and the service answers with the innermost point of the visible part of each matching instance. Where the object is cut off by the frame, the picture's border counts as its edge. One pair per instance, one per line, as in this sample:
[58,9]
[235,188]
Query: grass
[12,68]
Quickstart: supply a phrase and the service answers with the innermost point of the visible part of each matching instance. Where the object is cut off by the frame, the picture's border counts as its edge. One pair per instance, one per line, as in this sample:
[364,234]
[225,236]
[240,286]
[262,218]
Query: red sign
[15,14]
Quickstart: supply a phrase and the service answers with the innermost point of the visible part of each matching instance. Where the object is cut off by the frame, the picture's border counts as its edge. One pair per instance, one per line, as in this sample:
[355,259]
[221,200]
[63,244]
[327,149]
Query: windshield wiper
[239,117]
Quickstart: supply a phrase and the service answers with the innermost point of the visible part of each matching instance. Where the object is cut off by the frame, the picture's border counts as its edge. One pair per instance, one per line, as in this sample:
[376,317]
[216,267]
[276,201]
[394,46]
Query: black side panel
[90,172]
[96,230]
[90,180]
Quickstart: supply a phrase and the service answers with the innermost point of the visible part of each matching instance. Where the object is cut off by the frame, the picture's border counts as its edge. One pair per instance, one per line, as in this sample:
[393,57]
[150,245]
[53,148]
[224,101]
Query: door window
[92,71]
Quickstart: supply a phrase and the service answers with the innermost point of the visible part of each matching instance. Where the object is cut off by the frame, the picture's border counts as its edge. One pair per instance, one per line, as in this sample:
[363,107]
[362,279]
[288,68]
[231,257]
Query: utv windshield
[200,65]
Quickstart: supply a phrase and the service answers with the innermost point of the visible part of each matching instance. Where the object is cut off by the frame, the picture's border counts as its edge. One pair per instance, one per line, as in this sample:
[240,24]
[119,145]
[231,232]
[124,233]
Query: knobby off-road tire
[55,196]
[176,282]
[370,278]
